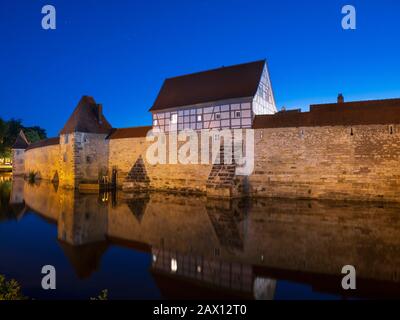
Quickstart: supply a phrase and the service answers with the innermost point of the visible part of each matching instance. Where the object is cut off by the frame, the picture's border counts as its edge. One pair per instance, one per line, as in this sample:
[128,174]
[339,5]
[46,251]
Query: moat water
[163,246]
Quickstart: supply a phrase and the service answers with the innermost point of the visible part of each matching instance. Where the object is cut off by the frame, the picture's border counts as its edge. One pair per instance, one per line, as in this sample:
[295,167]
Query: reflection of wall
[305,236]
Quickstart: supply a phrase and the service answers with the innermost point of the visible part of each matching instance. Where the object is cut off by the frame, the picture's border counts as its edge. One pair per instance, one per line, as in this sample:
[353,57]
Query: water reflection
[212,249]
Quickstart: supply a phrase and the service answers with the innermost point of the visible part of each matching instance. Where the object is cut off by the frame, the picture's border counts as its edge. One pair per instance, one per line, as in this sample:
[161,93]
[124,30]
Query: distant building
[228,97]
[18,154]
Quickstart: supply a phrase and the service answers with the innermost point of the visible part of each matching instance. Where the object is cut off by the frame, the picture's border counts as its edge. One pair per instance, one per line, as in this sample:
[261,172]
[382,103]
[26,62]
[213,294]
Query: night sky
[120,51]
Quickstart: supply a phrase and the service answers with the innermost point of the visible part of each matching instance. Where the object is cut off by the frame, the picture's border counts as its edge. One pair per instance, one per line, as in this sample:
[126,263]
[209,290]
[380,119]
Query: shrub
[10,290]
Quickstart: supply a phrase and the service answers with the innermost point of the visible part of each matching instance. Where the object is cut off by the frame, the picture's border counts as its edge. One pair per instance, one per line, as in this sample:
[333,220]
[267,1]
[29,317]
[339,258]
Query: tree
[9,131]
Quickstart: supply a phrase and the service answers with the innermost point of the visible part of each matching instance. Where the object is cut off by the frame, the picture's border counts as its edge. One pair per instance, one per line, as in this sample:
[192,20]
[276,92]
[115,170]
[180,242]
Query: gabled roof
[21,142]
[224,83]
[87,117]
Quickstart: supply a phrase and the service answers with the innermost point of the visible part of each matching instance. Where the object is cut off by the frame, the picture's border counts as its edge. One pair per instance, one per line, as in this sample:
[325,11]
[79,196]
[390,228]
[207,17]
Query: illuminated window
[174,118]
[155,122]
[199,118]
[174,265]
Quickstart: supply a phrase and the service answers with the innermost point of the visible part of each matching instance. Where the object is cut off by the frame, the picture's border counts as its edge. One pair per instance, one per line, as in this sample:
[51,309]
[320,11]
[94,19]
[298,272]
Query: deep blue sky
[120,51]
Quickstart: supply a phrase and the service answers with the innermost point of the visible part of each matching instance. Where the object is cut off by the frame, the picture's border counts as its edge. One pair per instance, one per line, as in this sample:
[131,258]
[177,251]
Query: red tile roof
[87,117]
[224,83]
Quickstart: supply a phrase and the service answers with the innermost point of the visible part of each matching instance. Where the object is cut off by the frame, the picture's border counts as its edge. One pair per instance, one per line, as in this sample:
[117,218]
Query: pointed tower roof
[87,117]
[21,142]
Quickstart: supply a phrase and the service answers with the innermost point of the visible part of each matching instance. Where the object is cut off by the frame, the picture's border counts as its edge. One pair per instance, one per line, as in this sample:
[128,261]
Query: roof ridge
[215,69]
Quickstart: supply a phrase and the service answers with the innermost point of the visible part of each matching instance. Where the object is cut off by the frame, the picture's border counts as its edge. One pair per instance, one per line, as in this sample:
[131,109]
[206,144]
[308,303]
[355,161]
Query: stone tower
[18,154]
[83,148]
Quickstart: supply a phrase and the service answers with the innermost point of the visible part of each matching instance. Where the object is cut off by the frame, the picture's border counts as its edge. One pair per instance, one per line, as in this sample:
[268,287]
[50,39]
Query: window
[237,114]
[174,118]
[199,118]
[66,138]
[217,116]
[155,122]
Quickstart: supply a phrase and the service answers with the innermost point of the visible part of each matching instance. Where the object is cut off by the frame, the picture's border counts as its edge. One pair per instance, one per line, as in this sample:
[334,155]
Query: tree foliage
[10,289]
[9,131]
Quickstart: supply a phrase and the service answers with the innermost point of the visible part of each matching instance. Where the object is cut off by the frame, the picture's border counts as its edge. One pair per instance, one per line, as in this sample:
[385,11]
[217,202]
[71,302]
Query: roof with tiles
[87,117]
[224,83]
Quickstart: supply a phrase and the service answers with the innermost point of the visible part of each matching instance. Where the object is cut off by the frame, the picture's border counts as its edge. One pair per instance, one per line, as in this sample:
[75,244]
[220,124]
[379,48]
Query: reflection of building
[192,240]
[225,278]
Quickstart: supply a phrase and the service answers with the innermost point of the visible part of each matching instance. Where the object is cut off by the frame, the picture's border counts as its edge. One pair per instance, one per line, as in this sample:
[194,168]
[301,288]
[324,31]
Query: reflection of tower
[82,220]
[17,202]
[226,217]
[82,227]
[85,259]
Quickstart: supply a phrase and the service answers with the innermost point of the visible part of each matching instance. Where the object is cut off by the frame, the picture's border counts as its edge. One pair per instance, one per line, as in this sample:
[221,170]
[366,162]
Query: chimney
[100,113]
[340,98]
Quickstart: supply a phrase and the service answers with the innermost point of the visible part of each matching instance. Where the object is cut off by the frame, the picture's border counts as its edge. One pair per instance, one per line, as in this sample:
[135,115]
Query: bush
[10,290]
[102,296]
